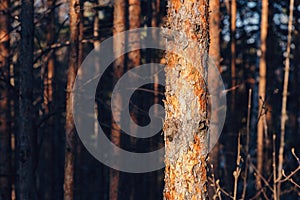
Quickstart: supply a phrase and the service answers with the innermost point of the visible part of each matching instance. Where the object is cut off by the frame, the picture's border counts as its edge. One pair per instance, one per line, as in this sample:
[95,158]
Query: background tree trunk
[262,90]
[70,128]
[24,140]
[233,10]
[284,99]
[214,54]
[47,133]
[134,57]
[118,27]
[185,131]
[5,123]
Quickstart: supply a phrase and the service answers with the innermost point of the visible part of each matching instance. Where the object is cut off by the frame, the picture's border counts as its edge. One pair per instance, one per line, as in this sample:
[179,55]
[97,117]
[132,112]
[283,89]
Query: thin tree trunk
[296,83]
[24,139]
[185,126]
[47,151]
[134,58]
[233,128]
[284,98]
[119,26]
[81,156]
[262,90]
[48,82]
[214,32]
[155,20]
[59,95]
[5,127]
[59,103]
[70,127]
[233,11]
[214,54]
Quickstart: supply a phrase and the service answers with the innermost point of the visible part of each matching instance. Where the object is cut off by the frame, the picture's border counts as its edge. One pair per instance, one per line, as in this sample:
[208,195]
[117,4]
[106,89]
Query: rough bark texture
[262,89]
[24,139]
[5,130]
[119,26]
[70,127]
[185,126]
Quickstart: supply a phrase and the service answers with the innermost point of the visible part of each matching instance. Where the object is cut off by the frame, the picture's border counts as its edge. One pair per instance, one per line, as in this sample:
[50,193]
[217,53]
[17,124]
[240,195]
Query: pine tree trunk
[119,26]
[284,99]
[214,54]
[230,148]
[5,127]
[47,147]
[134,58]
[262,90]
[233,51]
[185,126]
[70,127]
[214,32]
[24,139]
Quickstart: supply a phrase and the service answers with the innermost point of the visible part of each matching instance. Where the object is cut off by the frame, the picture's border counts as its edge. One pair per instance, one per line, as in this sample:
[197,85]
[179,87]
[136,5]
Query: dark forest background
[56,152]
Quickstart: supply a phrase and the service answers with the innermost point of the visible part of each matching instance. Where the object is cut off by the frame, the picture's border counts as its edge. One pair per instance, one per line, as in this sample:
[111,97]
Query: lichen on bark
[186,100]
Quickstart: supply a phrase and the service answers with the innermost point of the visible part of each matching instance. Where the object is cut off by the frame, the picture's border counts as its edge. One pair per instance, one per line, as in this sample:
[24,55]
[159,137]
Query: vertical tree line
[5,124]
[262,90]
[74,8]
[26,137]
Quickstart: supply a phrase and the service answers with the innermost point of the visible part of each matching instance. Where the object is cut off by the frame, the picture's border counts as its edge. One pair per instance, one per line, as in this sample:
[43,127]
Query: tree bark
[70,127]
[24,139]
[185,126]
[5,125]
[262,90]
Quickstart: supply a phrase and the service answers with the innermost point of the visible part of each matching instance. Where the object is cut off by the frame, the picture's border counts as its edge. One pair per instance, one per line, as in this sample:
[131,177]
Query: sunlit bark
[262,90]
[185,126]
[214,54]
[70,127]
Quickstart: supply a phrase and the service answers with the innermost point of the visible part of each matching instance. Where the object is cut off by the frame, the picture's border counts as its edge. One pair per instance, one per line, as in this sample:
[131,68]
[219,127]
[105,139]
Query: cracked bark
[185,126]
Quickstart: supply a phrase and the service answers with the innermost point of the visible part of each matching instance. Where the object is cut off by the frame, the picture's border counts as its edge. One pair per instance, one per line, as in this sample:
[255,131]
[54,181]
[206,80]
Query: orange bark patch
[176,4]
[193,76]
[172,100]
[172,60]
